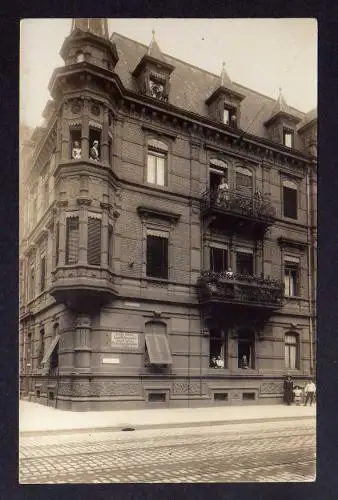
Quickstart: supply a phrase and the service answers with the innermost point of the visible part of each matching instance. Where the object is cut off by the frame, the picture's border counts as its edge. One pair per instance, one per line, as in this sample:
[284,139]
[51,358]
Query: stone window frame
[290,183]
[165,234]
[293,258]
[297,344]
[167,150]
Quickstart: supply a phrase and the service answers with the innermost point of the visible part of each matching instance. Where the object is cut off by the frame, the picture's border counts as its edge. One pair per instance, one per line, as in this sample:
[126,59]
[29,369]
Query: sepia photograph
[167,250]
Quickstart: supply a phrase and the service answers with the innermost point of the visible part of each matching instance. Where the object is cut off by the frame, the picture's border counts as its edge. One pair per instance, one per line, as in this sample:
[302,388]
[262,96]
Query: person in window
[244,362]
[309,391]
[94,151]
[229,273]
[213,362]
[76,151]
[288,390]
[233,121]
[223,191]
[219,362]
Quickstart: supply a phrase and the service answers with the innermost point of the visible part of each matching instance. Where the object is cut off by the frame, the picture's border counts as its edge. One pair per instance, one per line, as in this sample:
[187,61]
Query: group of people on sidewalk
[296,394]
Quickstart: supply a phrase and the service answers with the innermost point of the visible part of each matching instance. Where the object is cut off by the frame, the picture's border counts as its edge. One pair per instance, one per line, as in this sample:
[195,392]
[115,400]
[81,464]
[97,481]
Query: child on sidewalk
[298,395]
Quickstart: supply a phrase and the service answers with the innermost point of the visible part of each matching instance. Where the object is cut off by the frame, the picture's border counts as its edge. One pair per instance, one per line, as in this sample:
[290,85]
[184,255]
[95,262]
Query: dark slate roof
[308,118]
[191,86]
[154,50]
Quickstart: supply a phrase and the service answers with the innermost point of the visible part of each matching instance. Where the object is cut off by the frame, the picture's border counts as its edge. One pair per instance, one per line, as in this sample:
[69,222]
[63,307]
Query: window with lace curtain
[291,351]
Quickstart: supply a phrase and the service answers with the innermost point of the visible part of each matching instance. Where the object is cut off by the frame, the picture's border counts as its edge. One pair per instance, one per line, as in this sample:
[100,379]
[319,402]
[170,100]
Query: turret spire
[154,50]
[224,78]
[96,25]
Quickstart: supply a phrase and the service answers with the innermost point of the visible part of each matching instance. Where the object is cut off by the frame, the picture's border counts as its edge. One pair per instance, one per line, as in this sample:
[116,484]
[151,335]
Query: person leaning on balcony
[219,362]
[213,362]
[229,273]
[76,151]
[244,362]
[223,191]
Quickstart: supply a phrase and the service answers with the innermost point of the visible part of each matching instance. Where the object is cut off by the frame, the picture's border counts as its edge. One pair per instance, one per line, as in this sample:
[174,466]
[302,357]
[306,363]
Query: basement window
[248,396]
[220,396]
[157,397]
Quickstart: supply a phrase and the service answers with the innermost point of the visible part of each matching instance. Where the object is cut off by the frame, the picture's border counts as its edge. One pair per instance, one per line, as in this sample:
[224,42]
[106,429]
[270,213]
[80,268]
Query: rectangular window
[226,116]
[110,151]
[220,396]
[72,240]
[246,354]
[75,152]
[248,396]
[32,283]
[157,397]
[244,263]
[57,243]
[291,354]
[156,168]
[218,259]
[229,116]
[244,183]
[94,144]
[94,241]
[43,273]
[291,279]
[288,138]
[290,202]
[217,354]
[41,346]
[110,246]
[157,255]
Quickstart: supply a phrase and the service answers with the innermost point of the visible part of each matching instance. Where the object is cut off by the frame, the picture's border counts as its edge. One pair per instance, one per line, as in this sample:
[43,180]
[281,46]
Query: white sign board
[124,339]
[110,361]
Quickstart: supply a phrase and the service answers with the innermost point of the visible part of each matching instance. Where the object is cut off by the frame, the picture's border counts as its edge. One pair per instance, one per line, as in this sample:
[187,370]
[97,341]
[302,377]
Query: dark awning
[50,349]
[158,349]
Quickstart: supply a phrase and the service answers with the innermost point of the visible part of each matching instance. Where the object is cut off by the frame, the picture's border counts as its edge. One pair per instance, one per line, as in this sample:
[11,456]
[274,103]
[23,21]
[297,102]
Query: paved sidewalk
[38,419]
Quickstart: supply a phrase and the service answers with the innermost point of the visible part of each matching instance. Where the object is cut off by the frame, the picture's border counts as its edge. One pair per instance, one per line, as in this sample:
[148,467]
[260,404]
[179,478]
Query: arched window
[290,203]
[291,351]
[244,181]
[157,162]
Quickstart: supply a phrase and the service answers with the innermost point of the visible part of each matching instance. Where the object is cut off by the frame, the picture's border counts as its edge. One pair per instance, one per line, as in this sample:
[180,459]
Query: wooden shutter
[72,240]
[94,241]
[158,349]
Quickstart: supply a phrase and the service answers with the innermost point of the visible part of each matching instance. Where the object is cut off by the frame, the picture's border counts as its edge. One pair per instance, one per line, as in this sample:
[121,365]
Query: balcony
[238,212]
[83,287]
[240,291]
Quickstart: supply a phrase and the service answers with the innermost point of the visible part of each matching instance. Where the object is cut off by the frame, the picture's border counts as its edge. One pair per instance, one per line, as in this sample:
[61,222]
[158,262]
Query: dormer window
[156,89]
[229,116]
[80,57]
[288,138]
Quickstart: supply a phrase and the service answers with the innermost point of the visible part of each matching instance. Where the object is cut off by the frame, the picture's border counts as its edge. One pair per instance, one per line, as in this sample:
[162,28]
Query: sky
[261,54]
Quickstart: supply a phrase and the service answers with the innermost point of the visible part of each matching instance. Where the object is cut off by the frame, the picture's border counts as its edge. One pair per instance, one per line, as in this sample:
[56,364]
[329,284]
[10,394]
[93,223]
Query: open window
[218,174]
[291,351]
[288,138]
[246,349]
[218,258]
[157,355]
[75,143]
[217,348]
[290,191]
[291,276]
[157,254]
[94,144]
[229,116]
[244,261]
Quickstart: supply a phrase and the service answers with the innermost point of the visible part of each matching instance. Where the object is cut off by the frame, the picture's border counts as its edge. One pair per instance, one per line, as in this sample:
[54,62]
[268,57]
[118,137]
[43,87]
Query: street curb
[118,428]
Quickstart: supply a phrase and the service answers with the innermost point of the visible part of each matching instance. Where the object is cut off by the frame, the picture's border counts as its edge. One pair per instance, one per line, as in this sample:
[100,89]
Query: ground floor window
[246,351]
[291,351]
[217,348]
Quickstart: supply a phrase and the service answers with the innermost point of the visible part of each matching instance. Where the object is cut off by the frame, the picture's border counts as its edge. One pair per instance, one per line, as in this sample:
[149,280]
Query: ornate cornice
[289,242]
[145,211]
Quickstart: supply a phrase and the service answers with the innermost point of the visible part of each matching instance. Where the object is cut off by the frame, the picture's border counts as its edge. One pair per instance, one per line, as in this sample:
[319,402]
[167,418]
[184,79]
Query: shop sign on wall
[124,339]
[110,361]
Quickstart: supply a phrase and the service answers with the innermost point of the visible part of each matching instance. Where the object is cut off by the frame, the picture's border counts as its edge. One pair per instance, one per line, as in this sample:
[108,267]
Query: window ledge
[165,281]
[292,297]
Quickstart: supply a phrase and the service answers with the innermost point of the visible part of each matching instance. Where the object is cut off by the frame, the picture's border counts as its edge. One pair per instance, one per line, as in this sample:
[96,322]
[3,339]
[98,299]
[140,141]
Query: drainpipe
[309,267]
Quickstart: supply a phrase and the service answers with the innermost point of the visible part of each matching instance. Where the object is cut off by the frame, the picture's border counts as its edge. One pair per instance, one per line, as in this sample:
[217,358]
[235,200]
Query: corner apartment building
[168,235]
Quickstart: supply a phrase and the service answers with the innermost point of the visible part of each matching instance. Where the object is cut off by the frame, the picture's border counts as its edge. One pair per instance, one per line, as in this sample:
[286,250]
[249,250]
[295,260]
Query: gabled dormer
[153,73]
[224,102]
[281,125]
[89,42]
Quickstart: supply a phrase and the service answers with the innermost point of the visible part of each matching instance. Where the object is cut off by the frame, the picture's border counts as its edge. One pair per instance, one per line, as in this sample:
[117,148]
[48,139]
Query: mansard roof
[190,87]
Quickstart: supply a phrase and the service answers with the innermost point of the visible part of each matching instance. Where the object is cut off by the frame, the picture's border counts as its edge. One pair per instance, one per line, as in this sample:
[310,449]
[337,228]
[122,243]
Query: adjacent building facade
[168,235]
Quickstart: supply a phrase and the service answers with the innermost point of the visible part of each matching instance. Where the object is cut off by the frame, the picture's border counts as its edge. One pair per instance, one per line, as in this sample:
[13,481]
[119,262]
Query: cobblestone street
[251,452]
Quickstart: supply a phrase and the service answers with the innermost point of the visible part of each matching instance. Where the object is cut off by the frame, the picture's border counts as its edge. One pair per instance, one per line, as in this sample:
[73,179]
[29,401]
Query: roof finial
[153,33]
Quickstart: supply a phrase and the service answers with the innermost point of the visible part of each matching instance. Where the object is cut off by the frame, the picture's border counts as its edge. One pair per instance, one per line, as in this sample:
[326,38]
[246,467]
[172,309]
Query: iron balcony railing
[257,206]
[240,288]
